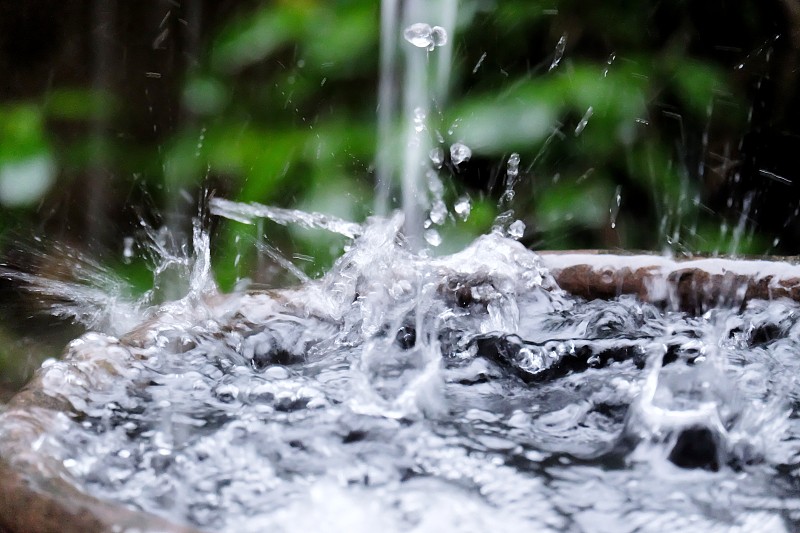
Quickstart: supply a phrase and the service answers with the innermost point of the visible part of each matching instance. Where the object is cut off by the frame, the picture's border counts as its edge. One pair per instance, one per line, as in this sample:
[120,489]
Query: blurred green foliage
[278,106]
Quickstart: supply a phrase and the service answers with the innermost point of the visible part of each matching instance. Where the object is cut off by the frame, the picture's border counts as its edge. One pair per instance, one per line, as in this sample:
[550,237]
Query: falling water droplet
[438,212]
[127,249]
[584,121]
[614,210]
[433,237]
[437,157]
[559,52]
[453,126]
[512,173]
[512,168]
[479,63]
[422,35]
[200,141]
[516,230]
[435,185]
[439,36]
[610,60]
[419,119]
[459,153]
[463,207]
[419,35]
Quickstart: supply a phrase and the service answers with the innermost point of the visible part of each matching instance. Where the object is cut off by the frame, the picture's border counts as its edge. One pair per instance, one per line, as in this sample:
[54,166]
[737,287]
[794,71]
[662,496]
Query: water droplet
[610,60]
[127,249]
[512,167]
[516,230]
[433,237]
[435,185]
[614,210]
[459,153]
[438,212]
[507,197]
[437,157]
[439,36]
[453,126]
[419,35]
[584,121]
[463,207]
[479,63]
[512,173]
[419,119]
[559,52]
[422,35]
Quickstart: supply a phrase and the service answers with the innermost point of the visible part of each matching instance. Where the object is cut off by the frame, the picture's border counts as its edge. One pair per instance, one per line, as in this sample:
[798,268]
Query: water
[424,36]
[414,393]
[459,153]
[409,392]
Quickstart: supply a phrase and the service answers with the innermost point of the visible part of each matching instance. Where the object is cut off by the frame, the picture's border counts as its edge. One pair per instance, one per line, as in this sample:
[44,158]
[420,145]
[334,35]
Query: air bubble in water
[459,153]
[433,237]
[437,157]
[422,35]
[463,207]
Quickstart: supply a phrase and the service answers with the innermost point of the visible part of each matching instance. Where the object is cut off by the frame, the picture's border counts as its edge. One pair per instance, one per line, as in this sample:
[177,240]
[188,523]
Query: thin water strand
[248,213]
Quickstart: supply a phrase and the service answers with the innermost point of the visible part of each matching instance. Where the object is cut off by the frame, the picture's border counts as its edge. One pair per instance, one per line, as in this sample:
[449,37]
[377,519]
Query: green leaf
[255,36]
[80,104]
[27,166]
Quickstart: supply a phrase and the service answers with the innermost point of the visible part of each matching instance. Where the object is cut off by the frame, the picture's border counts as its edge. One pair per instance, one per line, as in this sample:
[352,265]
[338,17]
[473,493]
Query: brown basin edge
[688,284]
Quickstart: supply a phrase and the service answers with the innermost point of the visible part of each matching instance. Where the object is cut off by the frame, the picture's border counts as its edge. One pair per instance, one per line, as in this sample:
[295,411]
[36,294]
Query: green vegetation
[275,102]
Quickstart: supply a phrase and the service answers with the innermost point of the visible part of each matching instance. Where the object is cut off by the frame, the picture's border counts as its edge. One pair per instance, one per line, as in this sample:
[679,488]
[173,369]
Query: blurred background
[657,125]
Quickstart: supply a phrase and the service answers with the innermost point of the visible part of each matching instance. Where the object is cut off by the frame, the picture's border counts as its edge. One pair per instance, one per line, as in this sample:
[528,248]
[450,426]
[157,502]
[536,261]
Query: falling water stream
[407,392]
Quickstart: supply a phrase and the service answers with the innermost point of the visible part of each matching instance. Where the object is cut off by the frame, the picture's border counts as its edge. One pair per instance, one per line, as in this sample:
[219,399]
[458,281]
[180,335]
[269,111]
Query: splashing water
[460,153]
[404,392]
[419,394]
[463,207]
[423,35]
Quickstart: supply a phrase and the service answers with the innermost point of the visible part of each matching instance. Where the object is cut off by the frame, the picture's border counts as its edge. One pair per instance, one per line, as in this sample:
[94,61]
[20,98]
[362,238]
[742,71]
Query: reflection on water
[407,393]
